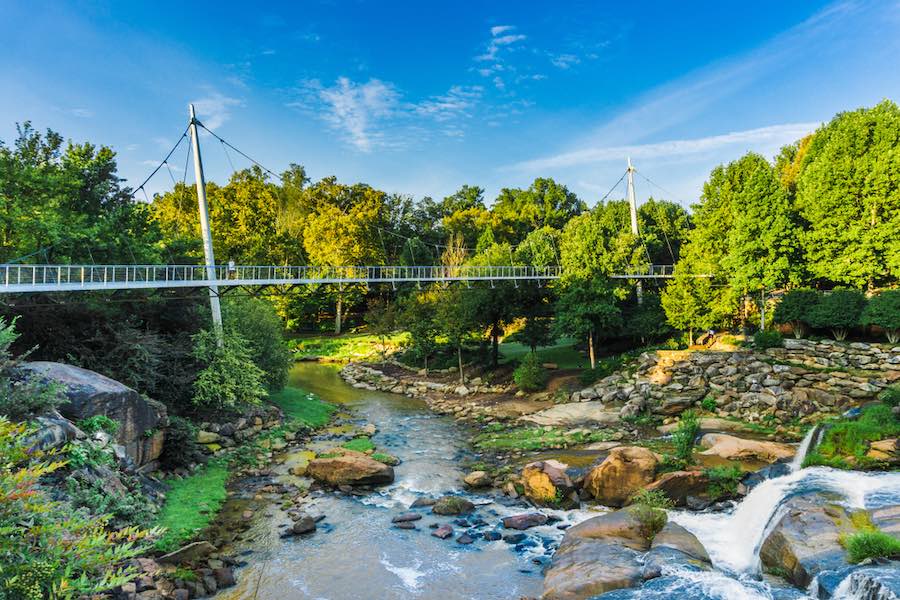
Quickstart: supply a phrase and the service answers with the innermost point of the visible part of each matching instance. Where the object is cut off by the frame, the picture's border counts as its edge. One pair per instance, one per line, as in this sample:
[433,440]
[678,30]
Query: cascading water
[809,443]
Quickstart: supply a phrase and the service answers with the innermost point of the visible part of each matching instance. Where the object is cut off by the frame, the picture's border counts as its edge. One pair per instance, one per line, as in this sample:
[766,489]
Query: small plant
[649,508]
[709,404]
[125,509]
[723,481]
[360,444]
[684,436]
[89,454]
[530,376]
[890,395]
[871,544]
[767,338]
[92,425]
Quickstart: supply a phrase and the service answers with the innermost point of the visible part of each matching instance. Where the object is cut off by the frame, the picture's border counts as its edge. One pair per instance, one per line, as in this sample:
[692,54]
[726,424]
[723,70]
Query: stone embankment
[215,438]
[803,380]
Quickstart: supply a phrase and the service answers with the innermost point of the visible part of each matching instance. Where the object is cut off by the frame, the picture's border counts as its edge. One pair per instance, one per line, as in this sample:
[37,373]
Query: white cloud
[81,113]
[498,29]
[499,41]
[565,61]
[154,163]
[772,135]
[213,110]
[458,101]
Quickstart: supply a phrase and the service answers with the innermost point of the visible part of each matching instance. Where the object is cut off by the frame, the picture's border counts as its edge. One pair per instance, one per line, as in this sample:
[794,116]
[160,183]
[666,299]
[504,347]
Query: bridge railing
[59,277]
[647,271]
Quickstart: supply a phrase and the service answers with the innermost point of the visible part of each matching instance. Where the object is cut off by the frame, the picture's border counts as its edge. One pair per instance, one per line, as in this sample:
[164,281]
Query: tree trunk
[690,336]
[591,350]
[426,364]
[462,379]
[495,345]
[337,315]
[762,309]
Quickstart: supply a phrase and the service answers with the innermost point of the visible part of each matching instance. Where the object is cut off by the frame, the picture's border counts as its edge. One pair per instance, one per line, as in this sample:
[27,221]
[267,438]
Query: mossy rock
[452,505]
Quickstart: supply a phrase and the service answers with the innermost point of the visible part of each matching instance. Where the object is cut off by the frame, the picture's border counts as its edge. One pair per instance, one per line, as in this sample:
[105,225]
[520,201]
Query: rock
[478,479]
[452,505]
[711,424]
[443,532]
[626,470]
[730,447]
[674,405]
[884,450]
[547,484]
[492,536]
[193,552]
[514,538]
[207,437]
[141,420]
[461,390]
[406,517]
[224,577]
[350,469]
[596,556]
[422,502]
[54,431]
[680,485]
[872,583]
[524,521]
[465,539]
[805,540]
[678,538]
[405,525]
[574,414]
[304,524]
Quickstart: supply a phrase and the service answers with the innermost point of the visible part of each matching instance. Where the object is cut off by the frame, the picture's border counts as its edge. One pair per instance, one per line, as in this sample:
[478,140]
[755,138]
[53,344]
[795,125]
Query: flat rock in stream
[452,505]
[350,469]
[406,517]
[574,414]
[192,552]
[443,532]
[525,521]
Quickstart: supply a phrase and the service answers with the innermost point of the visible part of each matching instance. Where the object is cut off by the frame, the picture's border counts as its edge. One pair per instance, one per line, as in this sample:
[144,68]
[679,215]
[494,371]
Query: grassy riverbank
[191,505]
[345,347]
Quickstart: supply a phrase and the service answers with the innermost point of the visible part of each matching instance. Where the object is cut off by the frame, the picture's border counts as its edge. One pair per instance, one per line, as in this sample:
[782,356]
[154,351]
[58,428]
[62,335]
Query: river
[357,554]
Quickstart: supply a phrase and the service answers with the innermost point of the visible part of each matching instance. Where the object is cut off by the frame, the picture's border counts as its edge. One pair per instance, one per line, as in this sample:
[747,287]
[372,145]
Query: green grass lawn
[562,353]
[191,504]
[355,346]
[300,405]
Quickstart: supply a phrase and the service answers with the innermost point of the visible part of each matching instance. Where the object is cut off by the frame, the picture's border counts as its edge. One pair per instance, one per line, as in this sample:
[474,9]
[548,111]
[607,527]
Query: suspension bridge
[45,278]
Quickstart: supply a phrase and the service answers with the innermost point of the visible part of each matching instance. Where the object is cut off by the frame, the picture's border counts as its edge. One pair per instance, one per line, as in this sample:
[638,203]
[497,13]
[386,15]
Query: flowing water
[356,553]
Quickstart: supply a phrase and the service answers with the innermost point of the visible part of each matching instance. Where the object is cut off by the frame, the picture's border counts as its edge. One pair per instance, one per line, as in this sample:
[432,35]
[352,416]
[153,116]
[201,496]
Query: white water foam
[409,576]
[810,439]
[733,539]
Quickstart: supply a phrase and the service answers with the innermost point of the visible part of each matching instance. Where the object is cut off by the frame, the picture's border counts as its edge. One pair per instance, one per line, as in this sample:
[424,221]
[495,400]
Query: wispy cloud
[493,59]
[215,108]
[498,29]
[565,61]
[771,135]
[374,114]
[81,113]
[153,163]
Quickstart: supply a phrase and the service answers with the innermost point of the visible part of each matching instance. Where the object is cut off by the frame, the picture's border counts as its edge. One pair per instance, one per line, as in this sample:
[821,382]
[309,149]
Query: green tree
[229,380]
[545,203]
[646,321]
[883,311]
[587,309]
[418,316]
[686,301]
[381,317]
[454,321]
[664,228]
[255,321]
[493,307]
[848,192]
[840,310]
[794,309]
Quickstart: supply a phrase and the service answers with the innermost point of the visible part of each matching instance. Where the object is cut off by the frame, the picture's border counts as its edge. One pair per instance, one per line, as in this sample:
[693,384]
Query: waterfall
[810,441]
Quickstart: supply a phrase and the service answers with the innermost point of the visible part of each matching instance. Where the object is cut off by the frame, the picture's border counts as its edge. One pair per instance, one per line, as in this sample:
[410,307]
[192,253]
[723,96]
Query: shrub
[848,438]
[530,376]
[230,379]
[794,309]
[890,395]
[22,394]
[256,321]
[88,454]
[709,404]
[92,425]
[767,338]
[723,481]
[883,310]
[649,508]
[124,509]
[46,550]
[181,449]
[838,311]
[684,435]
[871,544]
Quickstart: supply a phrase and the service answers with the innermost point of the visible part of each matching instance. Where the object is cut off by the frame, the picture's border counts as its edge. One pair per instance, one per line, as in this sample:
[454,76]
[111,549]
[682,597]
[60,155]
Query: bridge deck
[15,278]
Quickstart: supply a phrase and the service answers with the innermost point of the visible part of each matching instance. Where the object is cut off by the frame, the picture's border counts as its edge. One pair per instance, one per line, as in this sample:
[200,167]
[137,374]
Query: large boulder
[54,431]
[680,485]
[613,551]
[805,539]
[574,414]
[626,470]
[350,469]
[731,447]
[547,484]
[141,420]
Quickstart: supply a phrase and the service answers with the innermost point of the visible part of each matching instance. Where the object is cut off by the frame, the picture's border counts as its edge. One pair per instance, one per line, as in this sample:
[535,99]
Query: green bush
[883,310]
[723,481]
[88,454]
[839,311]
[46,549]
[709,404]
[767,338]
[871,544]
[684,435]
[92,425]
[22,394]
[890,395]
[649,508]
[850,438]
[256,321]
[181,449]
[125,509]
[530,376]
[793,309]
[230,379]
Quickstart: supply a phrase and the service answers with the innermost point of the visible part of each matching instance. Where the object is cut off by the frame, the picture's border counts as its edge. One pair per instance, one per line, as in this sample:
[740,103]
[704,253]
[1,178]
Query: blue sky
[422,97]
